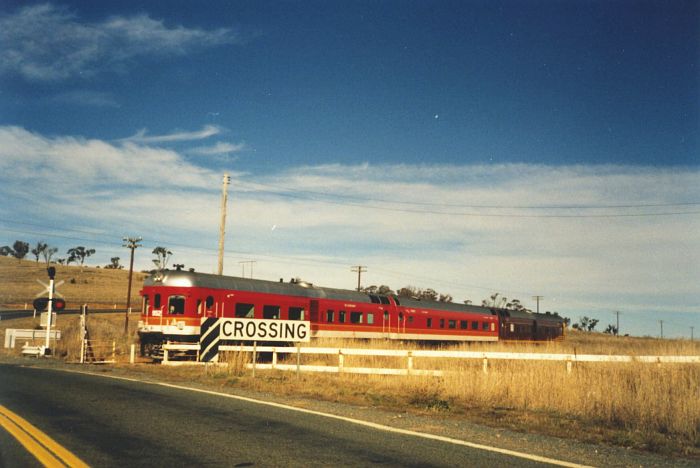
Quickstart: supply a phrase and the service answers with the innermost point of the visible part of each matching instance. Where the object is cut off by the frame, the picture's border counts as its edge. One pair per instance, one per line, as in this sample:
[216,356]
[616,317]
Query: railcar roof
[180,278]
[447,306]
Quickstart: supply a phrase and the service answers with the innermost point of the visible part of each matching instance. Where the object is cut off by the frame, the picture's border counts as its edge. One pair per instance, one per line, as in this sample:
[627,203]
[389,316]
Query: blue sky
[530,147]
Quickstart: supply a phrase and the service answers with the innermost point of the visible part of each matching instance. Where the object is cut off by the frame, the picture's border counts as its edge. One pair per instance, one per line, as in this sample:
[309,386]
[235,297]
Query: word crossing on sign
[265,330]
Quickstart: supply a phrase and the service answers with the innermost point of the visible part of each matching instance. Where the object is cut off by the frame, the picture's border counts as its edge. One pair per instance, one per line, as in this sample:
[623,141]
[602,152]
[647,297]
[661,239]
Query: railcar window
[384,299]
[374,299]
[199,307]
[144,305]
[429,323]
[410,319]
[176,305]
[512,328]
[341,316]
[475,325]
[400,316]
[463,324]
[493,326]
[329,316]
[356,317]
[452,324]
[370,318]
[442,323]
[296,313]
[485,326]
[210,302]
[396,299]
[156,301]
[245,310]
[271,312]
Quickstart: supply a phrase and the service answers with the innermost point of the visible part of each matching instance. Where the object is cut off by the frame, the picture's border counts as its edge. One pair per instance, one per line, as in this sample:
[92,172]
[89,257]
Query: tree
[445,298]
[20,249]
[79,253]
[162,255]
[408,291]
[6,251]
[383,290]
[48,252]
[39,249]
[611,330]
[114,265]
[586,324]
[495,301]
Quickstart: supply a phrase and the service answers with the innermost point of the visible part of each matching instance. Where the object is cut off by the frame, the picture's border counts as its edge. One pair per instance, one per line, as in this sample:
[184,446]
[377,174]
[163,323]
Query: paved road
[108,422]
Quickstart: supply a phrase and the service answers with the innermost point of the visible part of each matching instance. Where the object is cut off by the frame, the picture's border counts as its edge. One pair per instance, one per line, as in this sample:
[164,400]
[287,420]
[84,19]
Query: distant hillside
[97,287]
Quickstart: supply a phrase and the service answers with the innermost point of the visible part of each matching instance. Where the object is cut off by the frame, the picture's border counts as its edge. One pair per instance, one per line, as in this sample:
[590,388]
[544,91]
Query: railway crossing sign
[215,330]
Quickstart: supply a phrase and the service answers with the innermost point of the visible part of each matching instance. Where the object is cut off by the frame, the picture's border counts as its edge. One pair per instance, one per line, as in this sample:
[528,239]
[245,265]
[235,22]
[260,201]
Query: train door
[386,324]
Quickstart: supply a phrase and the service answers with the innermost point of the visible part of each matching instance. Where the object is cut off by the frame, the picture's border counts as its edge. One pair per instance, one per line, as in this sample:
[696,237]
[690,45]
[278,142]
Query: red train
[175,301]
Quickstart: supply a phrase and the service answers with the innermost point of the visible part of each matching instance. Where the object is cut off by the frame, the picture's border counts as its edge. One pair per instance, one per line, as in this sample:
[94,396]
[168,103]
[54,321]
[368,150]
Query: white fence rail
[14,334]
[409,369]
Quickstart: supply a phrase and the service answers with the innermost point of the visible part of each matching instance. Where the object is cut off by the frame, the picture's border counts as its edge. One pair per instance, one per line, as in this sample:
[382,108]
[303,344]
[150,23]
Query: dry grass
[639,405]
[96,287]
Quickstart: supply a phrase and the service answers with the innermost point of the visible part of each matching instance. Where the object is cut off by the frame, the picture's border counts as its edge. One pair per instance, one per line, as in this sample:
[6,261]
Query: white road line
[381,427]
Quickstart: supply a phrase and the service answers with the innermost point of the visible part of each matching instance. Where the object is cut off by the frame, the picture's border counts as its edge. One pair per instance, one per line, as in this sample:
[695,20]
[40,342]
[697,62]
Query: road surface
[113,422]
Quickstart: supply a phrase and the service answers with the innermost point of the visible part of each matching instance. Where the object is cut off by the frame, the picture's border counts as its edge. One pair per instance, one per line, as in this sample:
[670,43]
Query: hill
[97,287]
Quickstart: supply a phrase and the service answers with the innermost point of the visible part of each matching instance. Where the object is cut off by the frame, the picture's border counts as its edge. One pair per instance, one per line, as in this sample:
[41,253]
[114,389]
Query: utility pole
[130,243]
[691,333]
[222,228]
[359,269]
[538,298]
[243,263]
[661,322]
[617,314]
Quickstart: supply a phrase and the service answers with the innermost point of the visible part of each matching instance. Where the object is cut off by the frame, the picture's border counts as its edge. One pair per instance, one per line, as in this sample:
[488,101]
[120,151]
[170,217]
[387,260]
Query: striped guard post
[209,340]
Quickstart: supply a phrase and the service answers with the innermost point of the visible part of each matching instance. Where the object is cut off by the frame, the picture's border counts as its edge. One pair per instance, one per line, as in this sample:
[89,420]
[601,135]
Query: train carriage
[175,301]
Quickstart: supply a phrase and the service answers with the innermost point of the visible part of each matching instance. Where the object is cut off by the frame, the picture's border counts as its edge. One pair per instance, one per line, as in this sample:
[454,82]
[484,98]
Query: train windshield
[176,305]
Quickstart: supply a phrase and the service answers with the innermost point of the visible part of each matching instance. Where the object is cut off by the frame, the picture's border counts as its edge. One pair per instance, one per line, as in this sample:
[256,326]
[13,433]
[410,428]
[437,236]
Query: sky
[530,148]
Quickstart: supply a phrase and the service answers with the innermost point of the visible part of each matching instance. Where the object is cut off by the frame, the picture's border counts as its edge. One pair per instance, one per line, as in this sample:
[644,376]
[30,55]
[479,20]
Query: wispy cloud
[141,136]
[48,43]
[218,149]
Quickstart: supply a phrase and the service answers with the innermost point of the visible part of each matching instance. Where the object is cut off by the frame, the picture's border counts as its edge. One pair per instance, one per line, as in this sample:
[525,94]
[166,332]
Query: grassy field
[647,406]
[97,287]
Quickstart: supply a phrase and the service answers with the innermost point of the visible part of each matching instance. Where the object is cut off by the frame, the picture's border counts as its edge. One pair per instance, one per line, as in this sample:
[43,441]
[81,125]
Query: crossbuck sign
[215,330]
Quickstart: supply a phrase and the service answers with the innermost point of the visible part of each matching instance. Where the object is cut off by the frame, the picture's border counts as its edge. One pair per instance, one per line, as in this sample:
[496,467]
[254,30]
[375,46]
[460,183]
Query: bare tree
[39,249]
[48,252]
[162,255]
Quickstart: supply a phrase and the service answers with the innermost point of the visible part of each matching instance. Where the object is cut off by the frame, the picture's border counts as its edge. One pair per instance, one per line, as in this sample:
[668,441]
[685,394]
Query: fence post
[341,360]
[255,355]
[132,354]
[568,366]
[298,359]
[82,351]
[486,366]
[114,351]
[274,358]
[409,364]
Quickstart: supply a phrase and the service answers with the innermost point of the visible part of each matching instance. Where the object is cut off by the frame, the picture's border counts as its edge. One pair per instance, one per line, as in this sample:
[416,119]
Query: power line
[460,205]
[488,215]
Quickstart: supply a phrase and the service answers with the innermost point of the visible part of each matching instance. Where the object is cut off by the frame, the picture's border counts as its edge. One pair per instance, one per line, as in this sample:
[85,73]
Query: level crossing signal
[41,303]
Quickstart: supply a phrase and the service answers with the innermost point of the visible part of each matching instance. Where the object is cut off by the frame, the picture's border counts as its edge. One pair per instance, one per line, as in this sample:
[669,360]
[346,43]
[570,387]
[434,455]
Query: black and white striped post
[209,339]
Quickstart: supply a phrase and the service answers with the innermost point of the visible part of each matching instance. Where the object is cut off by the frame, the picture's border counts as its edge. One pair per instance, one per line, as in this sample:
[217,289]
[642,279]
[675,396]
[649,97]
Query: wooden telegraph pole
[222,228]
[130,243]
[359,269]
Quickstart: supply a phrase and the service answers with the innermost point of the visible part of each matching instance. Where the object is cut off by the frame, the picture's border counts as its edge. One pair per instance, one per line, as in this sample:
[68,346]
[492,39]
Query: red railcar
[174,303]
